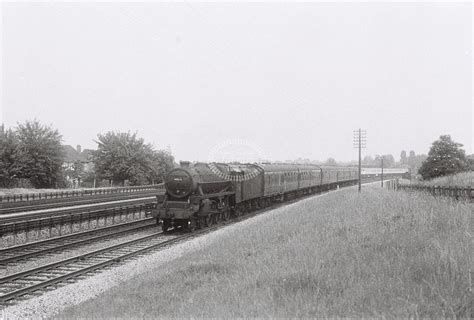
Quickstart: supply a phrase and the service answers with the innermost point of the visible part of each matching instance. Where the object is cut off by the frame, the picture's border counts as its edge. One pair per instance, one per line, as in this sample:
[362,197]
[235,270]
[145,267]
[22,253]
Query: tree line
[413,161]
[445,157]
[33,152]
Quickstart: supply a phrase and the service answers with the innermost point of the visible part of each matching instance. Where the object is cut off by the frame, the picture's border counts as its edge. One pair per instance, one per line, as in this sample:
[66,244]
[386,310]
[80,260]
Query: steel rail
[33,249]
[75,202]
[32,271]
[65,269]
[79,209]
[44,197]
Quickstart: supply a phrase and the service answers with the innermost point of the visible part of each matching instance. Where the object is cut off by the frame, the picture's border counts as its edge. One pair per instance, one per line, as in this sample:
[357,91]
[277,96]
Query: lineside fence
[455,192]
[76,193]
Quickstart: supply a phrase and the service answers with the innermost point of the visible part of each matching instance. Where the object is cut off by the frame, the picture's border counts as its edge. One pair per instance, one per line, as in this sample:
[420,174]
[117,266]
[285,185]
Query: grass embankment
[378,254]
[462,179]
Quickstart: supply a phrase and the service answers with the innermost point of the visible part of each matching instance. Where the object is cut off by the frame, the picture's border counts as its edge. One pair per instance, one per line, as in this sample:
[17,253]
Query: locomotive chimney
[79,148]
[184,164]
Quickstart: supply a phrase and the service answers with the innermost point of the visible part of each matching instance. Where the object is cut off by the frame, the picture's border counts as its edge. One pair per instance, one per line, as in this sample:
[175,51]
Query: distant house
[72,155]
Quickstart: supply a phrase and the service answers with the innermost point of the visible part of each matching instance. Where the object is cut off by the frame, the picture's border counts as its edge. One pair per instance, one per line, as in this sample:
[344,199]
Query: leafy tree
[162,163]
[470,159]
[76,172]
[368,161]
[411,159]
[330,162]
[403,157]
[124,156]
[8,147]
[388,160]
[445,157]
[89,176]
[38,155]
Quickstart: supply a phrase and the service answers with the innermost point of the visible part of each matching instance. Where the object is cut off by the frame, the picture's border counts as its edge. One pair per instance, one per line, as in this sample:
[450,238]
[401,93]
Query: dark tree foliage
[39,156]
[368,161]
[8,146]
[403,157]
[76,171]
[330,162]
[445,157]
[388,160]
[470,160]
[124,156]
[413,161]
[162,163]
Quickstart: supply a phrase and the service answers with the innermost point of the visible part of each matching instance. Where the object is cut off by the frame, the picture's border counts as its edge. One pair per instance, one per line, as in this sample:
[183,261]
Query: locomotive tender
[204,193]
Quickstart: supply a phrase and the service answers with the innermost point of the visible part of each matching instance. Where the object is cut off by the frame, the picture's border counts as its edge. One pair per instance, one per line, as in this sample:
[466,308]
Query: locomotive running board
[212,195]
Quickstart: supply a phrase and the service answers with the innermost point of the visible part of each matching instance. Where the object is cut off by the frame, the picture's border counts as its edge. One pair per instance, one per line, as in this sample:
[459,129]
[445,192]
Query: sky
[277,80]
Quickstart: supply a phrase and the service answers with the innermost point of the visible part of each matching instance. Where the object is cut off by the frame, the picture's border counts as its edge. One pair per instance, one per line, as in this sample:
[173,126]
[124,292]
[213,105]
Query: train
[367,173]
[198,195]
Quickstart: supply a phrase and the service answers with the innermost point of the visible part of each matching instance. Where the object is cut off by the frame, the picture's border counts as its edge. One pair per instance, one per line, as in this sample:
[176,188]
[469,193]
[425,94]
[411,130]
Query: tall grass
[374,254]
[459,179]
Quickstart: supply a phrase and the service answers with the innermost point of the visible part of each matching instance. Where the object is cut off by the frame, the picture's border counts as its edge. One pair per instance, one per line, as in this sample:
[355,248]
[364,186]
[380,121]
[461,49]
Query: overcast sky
[291,80]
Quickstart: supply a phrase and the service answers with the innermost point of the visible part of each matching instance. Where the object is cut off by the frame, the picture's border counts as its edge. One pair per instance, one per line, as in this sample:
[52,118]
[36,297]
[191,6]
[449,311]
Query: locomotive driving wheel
[208,221]
[226,214]
[165,225]
[191,227]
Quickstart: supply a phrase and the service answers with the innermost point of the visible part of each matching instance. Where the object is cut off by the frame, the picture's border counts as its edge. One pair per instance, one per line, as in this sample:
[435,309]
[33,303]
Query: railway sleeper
[83,265]
[143,246]
[23,281]
[67,270]
[38,279]
[52,272]
[95,260]
[110,257]
[11,284]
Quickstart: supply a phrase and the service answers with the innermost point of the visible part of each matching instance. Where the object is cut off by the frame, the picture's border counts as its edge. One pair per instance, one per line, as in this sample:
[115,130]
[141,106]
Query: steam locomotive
[201,194]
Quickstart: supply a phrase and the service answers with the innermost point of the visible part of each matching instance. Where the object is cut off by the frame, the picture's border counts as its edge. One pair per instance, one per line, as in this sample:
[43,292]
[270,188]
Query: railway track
[17,207]
[24,252]
[37,280]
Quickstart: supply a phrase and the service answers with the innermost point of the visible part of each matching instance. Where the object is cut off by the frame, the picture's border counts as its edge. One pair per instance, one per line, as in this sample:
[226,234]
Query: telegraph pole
[382,171]
[360,142]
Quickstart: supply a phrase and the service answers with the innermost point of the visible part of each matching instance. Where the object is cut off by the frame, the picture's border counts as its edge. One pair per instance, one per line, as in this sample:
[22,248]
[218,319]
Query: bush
[445,157]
